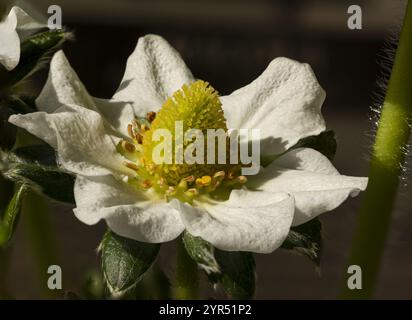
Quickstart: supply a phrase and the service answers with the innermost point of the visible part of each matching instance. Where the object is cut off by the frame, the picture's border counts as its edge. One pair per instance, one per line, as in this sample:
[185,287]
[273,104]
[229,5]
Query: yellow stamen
[128,146]
[150,116]
[147,184]
[130,131]
[195,106]
[241,179]
[132,166]
[144,127]
[204,181]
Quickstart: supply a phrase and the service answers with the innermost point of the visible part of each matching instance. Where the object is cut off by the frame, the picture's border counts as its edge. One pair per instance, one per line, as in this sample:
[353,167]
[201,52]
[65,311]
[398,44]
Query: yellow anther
[129,147]
[241,179]
[147,184]
[204,181]
[132,166]
[150,116]
[144,127]
[139,138]
[130,131]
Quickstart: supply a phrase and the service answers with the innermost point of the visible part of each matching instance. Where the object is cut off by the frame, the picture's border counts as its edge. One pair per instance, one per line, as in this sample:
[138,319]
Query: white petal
[17,26]
[94,193]
[38,124]
[248,221]
[118,114]
[63,87]
[83,146]
[284,103]
[9,42]
[126,211]
[312,180]
[26,25]
[154,72]
[146,222]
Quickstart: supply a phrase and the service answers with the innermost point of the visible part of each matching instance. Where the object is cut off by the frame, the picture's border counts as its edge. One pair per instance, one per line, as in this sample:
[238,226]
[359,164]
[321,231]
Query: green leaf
[41,154]
[125,261]
[203,253]
[325,143]
[34,54]
[52,182]
[7,130]
[10,215]
[19,104]
[306,240]
[235,271]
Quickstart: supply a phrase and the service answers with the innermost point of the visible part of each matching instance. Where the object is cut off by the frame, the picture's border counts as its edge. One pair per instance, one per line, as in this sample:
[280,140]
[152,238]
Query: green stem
[36,212]
[385,168]
[187,282]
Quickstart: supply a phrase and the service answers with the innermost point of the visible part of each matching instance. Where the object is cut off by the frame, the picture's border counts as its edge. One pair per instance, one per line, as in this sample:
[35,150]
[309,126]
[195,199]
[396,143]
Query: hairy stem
[187,282]
[386,165]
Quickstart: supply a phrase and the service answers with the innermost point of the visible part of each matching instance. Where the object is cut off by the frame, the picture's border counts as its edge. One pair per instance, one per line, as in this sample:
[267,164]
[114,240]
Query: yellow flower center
[194,106]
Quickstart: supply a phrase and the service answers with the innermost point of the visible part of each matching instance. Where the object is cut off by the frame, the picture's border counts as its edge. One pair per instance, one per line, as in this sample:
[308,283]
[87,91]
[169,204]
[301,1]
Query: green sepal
[325,143]
[306,240]
[234,271]
[51,181]
[125,261]
[11,214]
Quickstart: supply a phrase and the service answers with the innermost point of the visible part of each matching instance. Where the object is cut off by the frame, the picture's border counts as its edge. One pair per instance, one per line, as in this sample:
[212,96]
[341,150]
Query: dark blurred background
[229,43]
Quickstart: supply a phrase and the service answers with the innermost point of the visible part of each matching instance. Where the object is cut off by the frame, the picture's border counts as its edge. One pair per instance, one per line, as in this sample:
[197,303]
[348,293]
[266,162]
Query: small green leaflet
[235,271]
[51,181]
[10,215]
[125,261]
[306,240]
[325,143]
[42,154]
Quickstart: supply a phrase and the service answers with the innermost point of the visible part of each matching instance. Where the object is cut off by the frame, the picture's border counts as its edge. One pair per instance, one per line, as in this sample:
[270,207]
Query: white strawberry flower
[104,143]
[14,29]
